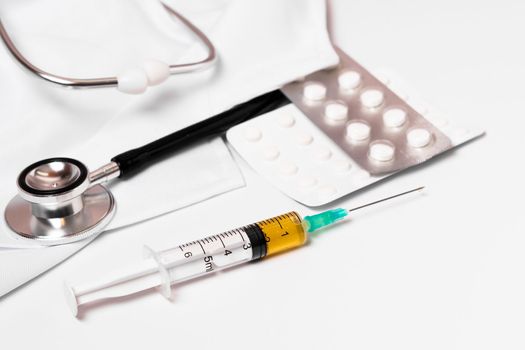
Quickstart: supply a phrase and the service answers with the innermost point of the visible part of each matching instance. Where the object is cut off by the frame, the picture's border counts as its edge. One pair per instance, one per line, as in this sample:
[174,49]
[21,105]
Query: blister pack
[344,130]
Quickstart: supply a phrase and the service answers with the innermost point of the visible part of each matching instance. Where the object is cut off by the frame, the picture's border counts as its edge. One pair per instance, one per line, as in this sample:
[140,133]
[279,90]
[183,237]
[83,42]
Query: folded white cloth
[261,44]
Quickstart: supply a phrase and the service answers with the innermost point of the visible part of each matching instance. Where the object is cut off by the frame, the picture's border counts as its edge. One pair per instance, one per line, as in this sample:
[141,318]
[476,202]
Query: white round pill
[304,138]
[307,181]
[382,152]
[314,91]
[286,120]
[394,118]
[349,80]
[288,168]
[372,98]
[357,131]
[270,152]
[336,112]
[327,190]
[419,138]
[252,134]
[323,153]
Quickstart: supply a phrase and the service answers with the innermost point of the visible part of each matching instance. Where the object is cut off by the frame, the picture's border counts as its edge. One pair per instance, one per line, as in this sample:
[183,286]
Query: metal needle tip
[386,199]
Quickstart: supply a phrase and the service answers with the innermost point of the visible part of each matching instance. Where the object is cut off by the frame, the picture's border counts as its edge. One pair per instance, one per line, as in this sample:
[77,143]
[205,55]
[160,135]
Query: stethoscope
[60,201]
[132,81]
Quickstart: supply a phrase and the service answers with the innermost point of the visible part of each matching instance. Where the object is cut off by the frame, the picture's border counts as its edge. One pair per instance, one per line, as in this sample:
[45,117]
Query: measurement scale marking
[202,247]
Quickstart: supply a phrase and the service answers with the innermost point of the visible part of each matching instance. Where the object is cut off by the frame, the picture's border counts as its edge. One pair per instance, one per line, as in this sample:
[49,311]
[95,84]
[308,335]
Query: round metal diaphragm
[52,177]
[97,212]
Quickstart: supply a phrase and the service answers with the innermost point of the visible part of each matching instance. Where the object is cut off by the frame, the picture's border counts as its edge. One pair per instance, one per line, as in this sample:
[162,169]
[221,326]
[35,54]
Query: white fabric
[261,45]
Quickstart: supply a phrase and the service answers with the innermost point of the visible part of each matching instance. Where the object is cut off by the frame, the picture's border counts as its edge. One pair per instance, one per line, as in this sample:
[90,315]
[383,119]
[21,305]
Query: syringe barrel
[226,249]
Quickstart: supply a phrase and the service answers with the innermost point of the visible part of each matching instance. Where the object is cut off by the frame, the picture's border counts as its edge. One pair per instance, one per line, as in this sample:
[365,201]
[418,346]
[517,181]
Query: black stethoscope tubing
[132,161]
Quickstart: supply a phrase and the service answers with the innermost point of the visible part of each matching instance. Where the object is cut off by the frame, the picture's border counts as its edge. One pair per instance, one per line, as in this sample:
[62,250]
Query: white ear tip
[133,81]
[156,71]
[71,299]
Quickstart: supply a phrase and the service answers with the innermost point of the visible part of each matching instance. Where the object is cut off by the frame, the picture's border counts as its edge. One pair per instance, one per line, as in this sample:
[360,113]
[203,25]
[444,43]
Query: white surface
[439,271]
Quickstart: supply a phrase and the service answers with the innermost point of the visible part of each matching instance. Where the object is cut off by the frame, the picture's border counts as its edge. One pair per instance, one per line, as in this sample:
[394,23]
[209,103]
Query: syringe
[187,261]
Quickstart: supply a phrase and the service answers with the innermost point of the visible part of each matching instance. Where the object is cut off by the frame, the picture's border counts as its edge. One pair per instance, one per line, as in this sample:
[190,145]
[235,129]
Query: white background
[440,270]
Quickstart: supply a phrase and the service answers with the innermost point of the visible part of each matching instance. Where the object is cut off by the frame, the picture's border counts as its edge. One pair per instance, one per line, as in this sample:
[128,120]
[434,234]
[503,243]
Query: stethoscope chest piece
[58,203]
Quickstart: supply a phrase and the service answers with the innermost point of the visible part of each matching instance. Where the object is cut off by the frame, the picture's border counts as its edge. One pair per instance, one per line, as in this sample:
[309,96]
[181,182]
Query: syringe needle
[386,199]
[330,217]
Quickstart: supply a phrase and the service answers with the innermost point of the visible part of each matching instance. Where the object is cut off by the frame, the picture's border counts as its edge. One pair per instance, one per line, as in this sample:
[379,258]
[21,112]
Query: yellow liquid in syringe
[283,232]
